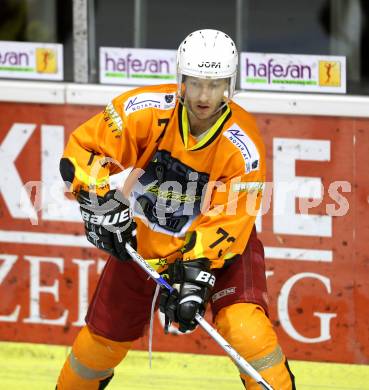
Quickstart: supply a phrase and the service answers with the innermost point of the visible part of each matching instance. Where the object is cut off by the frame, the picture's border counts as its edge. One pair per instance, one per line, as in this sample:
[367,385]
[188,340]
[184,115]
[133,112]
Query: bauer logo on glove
[108,222]
[111,219]
[206,277]
[192,282]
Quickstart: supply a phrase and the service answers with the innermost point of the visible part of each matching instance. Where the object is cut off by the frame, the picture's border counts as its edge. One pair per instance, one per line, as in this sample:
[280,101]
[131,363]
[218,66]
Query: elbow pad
[67,171]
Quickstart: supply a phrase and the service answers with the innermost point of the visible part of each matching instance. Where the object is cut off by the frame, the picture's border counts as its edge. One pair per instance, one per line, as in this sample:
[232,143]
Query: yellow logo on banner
[329,73]
[46,61]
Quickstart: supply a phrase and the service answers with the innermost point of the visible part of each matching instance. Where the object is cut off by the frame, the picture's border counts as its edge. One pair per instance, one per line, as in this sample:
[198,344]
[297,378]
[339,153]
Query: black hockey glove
[108,222]
[192,282]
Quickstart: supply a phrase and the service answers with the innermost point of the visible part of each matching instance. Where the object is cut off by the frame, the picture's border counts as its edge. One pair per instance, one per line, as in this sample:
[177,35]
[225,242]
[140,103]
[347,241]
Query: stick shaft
[240,362]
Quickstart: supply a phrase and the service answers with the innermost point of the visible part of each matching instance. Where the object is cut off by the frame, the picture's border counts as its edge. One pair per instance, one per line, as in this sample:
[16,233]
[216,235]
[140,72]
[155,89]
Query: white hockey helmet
[208,54]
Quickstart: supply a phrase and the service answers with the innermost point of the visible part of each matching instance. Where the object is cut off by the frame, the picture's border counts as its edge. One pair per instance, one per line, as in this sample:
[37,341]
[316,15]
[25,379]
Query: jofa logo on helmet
[208,64]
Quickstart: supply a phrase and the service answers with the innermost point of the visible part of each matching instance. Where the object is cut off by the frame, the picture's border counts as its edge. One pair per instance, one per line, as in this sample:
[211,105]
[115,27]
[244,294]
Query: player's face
[204,96]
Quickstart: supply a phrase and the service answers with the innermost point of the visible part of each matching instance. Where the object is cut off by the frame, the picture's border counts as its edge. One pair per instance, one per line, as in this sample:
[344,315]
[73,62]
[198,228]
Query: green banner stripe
[259,81]
[112,74]
[152,76]
[139,76]
[264,81]
[301,82]
[16,69]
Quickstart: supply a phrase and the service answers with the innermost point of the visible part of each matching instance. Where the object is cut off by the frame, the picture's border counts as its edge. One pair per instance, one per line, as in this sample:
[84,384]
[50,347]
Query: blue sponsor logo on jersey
[240,137]
[161,101]
[134,105]
[245,145]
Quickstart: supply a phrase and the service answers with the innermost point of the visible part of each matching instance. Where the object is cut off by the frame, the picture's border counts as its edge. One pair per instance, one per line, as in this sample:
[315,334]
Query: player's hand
[108,222]
[192,282]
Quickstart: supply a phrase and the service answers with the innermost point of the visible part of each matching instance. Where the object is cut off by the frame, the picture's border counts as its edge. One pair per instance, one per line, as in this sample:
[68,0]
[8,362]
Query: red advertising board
[314,226]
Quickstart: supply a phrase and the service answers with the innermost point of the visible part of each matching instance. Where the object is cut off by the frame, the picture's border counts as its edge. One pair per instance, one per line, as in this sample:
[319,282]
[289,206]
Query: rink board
[317,265]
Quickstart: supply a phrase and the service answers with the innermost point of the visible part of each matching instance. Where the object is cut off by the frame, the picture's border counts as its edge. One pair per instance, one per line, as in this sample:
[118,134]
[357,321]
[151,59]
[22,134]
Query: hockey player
[200,163]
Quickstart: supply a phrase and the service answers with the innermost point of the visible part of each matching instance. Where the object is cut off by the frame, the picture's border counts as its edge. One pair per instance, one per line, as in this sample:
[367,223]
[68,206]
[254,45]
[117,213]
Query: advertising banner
[137,66]
[292,72]
[31,60]
[312,224]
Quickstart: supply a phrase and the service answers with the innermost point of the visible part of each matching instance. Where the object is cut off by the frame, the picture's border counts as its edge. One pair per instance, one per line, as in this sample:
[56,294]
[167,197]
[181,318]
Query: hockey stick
[240,362]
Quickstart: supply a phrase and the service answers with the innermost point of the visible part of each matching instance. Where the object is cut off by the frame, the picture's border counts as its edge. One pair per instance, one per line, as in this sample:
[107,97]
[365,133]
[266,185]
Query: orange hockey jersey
[196,197]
